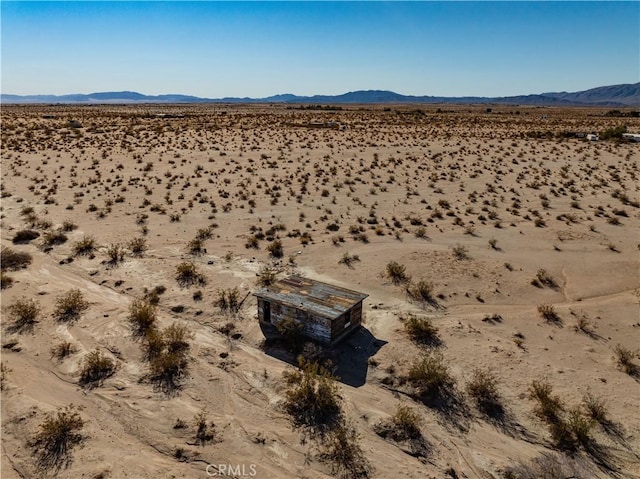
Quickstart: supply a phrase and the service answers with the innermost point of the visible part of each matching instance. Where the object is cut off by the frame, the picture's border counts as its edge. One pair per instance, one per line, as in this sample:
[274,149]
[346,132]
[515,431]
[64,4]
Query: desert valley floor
[510,242]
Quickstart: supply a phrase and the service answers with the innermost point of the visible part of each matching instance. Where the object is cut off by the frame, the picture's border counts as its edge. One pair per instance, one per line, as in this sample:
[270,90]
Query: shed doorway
[266,311]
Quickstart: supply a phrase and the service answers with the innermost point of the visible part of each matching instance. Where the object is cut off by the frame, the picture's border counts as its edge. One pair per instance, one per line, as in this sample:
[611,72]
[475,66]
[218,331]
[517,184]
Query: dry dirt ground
[497,211]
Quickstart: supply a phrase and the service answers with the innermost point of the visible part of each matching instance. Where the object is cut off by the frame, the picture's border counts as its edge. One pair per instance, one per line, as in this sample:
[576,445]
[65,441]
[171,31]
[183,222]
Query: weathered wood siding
[318,328]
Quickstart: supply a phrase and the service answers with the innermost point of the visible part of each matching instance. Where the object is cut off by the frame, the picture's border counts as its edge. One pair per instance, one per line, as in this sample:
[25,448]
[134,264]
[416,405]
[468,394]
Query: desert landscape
[498,247]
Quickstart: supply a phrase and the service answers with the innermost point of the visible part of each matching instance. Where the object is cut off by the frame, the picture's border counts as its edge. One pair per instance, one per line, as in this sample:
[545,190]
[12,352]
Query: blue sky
[257,49]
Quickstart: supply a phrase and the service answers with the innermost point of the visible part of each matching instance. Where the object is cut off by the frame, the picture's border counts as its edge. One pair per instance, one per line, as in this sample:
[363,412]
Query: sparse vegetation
[187,274]
[96,368]
[62,350]
[84,247]
[70,305]
[430,377]
[396,272]
[12,260]
[142,317]
[57,437]
[421,330]
[23,314]
[312,399]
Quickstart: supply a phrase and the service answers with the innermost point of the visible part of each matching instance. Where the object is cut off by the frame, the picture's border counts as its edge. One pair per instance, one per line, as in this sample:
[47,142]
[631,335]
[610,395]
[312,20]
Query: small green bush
[63,349]
[624,358]
[137,246]
[430,376]
[483,389]
[342,450]
[275,249]
[56,438]
[85,246]
[187,274]
[142,317]
[312,400]
[95,369]
[229,300]
[115,254]
[12,260]
[422,291]
[548,313]
[421,330]
[267,276]
[396,272]
[460,252]
[23,314]
[70,305]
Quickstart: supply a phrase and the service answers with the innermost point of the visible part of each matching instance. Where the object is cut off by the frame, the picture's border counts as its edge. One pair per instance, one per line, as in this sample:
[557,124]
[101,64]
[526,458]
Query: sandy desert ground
[523,238]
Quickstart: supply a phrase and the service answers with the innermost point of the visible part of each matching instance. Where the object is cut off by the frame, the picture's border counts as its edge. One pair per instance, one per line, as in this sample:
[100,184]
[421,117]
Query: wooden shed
[328,313]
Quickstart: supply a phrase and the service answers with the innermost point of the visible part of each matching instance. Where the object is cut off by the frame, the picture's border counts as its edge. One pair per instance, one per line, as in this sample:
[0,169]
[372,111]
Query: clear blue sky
[217,49]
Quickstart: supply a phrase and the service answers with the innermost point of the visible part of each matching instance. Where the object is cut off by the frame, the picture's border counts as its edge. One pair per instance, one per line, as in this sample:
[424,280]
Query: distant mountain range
[614,95]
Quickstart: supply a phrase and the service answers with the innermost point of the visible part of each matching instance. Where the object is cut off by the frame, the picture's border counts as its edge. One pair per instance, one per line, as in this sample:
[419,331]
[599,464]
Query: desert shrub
[56,438]
[291,331]
[204,432]
[545,279]
[421,330]
[404,425]
[595,407]
[312,399]
[430,376]
[195,247]
[23,314]
[275,249]
[95,369]
[176,339]
[115,254]
[396,272]
[187,274]
[12,260]
[204,233]
[267,276]
[142,317]
[4,372]
[25,236]
[137,246]
[70,305]
[5,280]
[342,450]
[53,238]
[484,391]
[548,313]
[460,252]
[228,300]
[153,344]
[624,358]
[85,246]
[422,291]
[63,349]
[153,295]
[548,408]
[68,225]
[348,259]
[580,426]
[252,242]
[614,133]
[167,371]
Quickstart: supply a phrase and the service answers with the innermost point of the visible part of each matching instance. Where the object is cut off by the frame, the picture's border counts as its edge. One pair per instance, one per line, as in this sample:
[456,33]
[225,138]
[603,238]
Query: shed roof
[321,299]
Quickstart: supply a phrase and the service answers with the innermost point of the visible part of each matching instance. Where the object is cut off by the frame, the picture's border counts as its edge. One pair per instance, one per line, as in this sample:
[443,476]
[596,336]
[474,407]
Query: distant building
[327,313]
